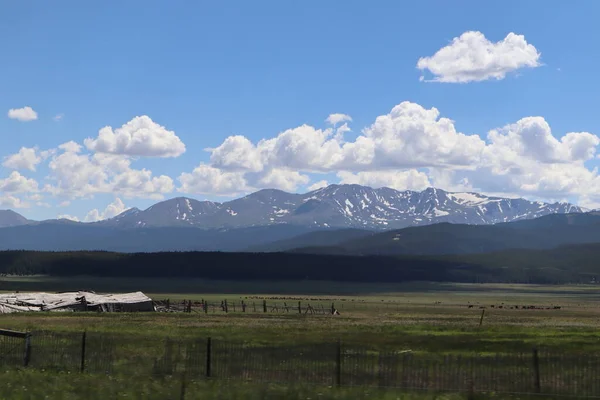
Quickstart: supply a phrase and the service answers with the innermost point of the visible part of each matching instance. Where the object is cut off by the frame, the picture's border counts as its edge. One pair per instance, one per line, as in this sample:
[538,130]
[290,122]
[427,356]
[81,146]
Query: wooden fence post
[83,344]
[536,371]
[481,319]
[205,307]
[27,355]
[208,357]
[338,364]
[264,306]
[299,308]
[182,392]
[243,306]
[225,305]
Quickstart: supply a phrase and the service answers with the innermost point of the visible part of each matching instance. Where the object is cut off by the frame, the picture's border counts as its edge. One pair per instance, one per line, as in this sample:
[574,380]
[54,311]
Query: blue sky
[197,73]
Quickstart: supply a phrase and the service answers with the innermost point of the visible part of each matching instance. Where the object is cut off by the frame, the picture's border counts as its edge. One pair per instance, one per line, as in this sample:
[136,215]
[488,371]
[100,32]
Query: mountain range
[349,218]
[335,206]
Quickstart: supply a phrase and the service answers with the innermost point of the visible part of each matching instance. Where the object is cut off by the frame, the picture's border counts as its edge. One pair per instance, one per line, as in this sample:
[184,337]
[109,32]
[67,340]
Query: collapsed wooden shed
[75,301]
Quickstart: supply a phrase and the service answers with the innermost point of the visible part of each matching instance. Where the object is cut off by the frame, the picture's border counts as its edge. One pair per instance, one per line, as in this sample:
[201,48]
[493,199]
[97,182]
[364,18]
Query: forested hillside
[570,264]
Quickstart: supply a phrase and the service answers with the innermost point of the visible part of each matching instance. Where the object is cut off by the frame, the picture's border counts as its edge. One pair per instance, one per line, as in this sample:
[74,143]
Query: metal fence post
[83,344]
[536,371]
[27,355]
[208,357]
[338,364]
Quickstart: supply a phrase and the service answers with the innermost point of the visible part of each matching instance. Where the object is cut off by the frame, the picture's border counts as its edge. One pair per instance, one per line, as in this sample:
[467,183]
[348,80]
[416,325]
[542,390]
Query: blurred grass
[34,385]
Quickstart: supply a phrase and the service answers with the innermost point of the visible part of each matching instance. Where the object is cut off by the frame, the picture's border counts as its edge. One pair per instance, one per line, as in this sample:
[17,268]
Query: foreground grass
[34,385]
[439,331]
[423,318]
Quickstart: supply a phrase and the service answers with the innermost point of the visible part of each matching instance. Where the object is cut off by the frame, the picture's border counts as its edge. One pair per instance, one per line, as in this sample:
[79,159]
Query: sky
[110,105]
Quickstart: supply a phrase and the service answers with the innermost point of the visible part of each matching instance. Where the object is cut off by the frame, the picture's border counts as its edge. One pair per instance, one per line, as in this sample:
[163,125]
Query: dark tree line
[279,266]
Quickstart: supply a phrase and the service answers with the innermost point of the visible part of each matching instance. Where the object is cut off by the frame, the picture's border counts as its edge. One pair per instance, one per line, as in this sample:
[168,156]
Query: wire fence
[331,364]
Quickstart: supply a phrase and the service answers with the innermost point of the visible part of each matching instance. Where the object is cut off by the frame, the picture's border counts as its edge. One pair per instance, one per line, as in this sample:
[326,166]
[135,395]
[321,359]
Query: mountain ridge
[334,206]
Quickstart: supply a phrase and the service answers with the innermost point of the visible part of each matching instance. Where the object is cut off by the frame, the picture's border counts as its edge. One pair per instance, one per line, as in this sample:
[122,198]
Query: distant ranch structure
[75,301]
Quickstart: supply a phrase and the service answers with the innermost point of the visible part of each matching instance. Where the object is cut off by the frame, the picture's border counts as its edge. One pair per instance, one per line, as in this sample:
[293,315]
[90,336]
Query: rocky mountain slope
[340,206]
[335,206]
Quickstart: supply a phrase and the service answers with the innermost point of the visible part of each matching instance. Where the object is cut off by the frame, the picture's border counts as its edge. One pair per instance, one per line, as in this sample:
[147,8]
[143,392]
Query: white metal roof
[21,302]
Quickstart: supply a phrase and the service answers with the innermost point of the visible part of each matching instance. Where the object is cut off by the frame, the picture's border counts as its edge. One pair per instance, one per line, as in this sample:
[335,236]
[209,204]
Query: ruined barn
[75,301]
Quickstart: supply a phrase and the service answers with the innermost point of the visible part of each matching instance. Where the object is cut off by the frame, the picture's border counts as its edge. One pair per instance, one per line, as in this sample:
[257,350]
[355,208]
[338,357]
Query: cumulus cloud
[471,57]
[58,117]
[12,202]
[399,180]
[237,153]
[281,179]
[410,135]
[205,179]
[22,114]
[67,216]
[74,174]
[335,119]
[139,137]
[17,183]
[26,159]
[411,147]
[318,185]
[112,210]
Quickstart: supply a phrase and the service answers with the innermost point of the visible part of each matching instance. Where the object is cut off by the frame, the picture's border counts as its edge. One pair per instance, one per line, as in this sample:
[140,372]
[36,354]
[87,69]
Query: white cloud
[26,158]
[139,137]
[12,202]
[17,183]
[281,179]
[399,180]
[81,175]
[409,136]
[22,114]
[112,210]
[318,185]
[472,57]
[532,137]
[205,179]
[413,136]
[236,153]
[412,147]
[335,119]
[58,117]
[67,216]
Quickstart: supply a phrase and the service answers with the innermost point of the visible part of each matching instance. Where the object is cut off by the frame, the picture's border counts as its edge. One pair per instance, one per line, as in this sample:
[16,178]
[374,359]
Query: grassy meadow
[420,318]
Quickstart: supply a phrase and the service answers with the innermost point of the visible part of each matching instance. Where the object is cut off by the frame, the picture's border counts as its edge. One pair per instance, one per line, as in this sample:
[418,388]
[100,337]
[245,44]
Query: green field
[421,318]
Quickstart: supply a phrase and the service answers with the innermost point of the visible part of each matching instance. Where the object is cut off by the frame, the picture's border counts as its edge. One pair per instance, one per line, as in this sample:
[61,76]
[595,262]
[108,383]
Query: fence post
[481,319]
[208,356]
[27,355]
[83,343]
[299,308]
[264,306]
[536,371]
[338,364]
[182,392]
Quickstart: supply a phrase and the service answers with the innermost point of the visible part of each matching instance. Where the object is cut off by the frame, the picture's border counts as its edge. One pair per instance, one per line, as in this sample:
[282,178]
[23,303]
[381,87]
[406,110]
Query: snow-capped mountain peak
[341,206]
